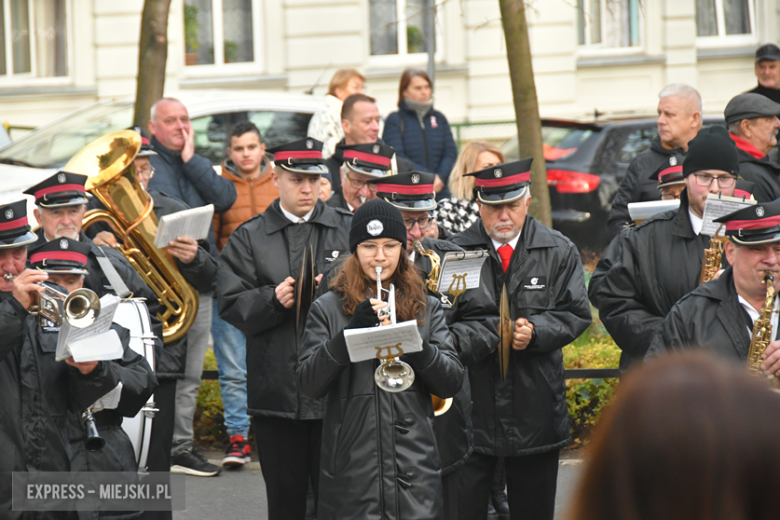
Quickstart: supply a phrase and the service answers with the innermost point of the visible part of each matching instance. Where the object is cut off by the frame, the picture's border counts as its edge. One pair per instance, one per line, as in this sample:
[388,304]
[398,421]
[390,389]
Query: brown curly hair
[410,296]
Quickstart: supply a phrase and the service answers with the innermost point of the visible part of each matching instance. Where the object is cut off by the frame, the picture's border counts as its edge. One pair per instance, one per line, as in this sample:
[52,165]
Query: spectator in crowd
[768,72]
[679,120]
[753,124]
[326,187]
[687,437]
[249,170]
[419,133]
[183,174]
[460,211]
[325,125]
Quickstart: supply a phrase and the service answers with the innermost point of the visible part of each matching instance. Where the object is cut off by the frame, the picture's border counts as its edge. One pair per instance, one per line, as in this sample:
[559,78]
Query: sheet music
[109,401]
[363,344]
[193,223]
[645,210]
[719,206]
[461,270]
[94,343]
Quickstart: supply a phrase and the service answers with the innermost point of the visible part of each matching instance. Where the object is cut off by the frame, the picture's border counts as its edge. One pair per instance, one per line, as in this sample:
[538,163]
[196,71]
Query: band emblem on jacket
[535,283]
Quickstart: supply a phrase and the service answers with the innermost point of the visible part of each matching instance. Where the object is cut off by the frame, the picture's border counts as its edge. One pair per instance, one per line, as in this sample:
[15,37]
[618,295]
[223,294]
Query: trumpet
[80,308]
[392,374]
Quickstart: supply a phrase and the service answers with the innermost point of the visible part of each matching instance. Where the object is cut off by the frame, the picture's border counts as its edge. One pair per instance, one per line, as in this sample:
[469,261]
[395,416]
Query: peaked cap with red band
[502,183]
[759,224]
[410,191]
[301,156]
[59,190]
[61,256]
[14,227]
[670,172]
[372,159]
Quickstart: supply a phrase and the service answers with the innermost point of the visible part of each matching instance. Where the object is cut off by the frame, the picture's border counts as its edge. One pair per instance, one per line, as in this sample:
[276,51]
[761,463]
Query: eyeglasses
[671,196]
[389,248]
[358,184]
[146,172]
[423,222]
[724,181]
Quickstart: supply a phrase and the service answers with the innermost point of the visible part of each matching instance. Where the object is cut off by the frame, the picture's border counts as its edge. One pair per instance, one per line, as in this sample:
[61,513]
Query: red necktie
[505,252]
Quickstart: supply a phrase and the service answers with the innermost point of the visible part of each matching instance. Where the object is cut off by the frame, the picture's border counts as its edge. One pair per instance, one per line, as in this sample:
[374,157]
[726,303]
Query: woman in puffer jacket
[379,456]
[420,133]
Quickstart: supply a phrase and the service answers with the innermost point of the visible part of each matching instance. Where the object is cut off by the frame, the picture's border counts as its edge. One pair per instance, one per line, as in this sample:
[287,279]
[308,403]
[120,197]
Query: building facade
[607,55]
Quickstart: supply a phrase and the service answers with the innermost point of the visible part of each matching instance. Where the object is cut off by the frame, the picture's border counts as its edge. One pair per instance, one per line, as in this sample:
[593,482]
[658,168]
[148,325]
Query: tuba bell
[108,164]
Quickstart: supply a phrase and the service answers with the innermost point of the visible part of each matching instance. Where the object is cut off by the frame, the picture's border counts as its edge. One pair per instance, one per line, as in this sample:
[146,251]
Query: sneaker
[193,463]
[237,453]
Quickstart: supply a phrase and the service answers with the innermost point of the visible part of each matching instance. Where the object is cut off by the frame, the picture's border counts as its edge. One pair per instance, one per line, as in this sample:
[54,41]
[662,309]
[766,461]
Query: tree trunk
[529,125]
[152,56]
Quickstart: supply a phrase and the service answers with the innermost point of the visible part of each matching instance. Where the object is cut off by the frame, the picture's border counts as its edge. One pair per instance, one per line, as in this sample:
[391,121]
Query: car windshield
[53,145]
[559,142]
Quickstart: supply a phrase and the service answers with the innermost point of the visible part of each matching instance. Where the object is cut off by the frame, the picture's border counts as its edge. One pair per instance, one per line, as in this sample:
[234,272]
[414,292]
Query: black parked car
[586,163]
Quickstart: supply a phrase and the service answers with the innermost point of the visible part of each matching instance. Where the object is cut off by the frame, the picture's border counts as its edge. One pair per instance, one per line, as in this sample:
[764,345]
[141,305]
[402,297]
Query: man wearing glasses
[646,270]
[362,162]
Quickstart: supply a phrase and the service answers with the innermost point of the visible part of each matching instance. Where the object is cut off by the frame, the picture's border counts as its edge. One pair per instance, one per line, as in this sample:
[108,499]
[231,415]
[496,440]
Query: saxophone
[712,258]
[762,331]
[440,406]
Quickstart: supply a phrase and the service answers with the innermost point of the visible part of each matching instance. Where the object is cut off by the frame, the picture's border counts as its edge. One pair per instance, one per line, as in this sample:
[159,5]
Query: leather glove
[363,317]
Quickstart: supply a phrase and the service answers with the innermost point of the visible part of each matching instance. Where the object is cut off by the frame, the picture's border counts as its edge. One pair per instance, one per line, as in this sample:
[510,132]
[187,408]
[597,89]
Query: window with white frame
[608,23]
[397,27]
[33,38]
[724,18]
[218,32]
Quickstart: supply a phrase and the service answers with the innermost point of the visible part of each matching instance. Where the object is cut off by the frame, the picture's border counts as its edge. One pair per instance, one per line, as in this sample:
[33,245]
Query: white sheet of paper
[645,210]
[719,206]
[70,335]
[364,344]
[193,223]
[101,347]
[465,265]
[109,401]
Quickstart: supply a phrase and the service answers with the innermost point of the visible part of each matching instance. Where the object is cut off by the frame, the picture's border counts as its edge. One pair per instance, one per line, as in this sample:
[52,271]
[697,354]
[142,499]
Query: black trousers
[450,484]
[531,481]
[289,453]
[159,458]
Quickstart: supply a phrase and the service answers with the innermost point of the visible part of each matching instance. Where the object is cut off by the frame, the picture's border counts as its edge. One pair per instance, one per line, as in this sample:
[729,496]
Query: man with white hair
[679,120]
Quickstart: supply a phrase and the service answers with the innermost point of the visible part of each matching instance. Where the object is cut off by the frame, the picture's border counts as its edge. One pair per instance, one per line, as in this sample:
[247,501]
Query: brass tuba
[440,406]
[108,162]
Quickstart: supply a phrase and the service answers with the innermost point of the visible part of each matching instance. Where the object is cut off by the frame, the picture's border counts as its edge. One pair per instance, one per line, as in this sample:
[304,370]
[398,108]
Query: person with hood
[679,119]
[647,269]
[379,454]
[257,286]
[419,133]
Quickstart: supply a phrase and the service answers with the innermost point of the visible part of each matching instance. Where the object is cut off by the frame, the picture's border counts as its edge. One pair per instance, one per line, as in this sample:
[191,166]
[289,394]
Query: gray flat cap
[748,106]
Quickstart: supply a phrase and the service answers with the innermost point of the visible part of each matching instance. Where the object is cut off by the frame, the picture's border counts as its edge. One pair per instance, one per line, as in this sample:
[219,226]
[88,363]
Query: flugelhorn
[392,374]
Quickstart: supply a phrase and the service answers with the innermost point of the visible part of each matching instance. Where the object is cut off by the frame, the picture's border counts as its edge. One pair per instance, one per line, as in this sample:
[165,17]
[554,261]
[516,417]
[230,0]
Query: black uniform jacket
[260,255]
[764,173]
[637,185]
[710,317]
[379,456]
[12,447]
[642,273]
[527,413]
[472,323]
[337,201]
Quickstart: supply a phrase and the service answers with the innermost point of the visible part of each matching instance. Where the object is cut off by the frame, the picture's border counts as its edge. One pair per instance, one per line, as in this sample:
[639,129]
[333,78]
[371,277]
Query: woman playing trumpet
[379,456]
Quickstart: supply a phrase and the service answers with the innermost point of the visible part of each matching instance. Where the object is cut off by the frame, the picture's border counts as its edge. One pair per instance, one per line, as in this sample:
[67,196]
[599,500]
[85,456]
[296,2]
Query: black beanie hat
[711,149]
[376,218]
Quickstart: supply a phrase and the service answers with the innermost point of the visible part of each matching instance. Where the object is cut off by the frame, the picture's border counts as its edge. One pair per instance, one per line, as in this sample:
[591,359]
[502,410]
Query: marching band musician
[524,417]
[258,283]
[647,269]
[468,318]
[379,457]
[362,162]
[718,316]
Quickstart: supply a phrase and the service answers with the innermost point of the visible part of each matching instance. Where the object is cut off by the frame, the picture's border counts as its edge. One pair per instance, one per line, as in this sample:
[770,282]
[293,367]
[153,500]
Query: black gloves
[364,316]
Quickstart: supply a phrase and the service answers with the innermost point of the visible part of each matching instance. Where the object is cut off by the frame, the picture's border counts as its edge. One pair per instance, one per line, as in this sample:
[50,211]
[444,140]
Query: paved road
[241,494]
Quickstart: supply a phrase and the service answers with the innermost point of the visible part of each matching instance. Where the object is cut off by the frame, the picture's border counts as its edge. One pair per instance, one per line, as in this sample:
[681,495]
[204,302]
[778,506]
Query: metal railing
[497,132]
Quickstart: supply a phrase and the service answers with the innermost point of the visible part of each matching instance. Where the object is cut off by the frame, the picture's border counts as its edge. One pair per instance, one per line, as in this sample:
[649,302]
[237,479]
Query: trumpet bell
[82,308]
[394,376]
